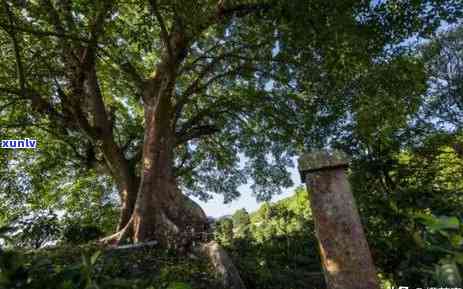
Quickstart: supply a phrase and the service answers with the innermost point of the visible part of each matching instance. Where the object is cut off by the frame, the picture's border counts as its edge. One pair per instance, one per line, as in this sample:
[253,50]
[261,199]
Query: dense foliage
[407,173]
[411,206]
[274,247]
[248,85]
[87,267]
[315,64]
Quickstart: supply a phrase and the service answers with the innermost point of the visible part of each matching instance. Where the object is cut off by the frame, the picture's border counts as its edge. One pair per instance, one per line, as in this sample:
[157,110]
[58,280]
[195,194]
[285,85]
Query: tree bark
[128,193]
[161,211]
[126,180]
[116,162]
[127,184]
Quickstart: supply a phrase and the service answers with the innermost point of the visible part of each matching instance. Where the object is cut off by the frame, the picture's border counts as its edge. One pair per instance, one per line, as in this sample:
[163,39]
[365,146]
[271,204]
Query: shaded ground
[85,267]
[82,267]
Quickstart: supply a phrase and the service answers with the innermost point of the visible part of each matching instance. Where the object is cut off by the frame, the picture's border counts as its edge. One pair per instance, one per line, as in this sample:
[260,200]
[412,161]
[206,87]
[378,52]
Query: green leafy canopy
[261,81]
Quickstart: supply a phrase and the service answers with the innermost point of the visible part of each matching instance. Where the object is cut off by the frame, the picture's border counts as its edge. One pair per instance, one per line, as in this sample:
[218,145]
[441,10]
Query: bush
[37,230]
[75,233]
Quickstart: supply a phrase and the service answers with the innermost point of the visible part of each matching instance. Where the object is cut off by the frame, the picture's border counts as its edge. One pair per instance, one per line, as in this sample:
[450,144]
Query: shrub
[75,233]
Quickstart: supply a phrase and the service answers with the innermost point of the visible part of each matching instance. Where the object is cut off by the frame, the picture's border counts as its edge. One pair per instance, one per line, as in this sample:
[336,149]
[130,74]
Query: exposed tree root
[225,270]
[223,265]
[117,238]
[175,221]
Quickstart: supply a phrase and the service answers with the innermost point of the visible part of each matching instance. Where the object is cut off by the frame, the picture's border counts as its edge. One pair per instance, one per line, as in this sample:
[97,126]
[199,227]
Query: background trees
[408,173]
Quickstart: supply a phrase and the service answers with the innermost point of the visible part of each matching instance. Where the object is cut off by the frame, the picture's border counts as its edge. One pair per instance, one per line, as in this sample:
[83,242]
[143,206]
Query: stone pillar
[346,258]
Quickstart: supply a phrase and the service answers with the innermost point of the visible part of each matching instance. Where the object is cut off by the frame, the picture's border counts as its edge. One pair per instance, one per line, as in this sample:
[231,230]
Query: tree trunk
[126,180]
[128,194]
[161,211]
[85,85]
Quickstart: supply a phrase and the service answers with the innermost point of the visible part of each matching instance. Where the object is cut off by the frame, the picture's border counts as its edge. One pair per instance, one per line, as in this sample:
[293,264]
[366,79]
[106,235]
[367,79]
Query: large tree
[170,95]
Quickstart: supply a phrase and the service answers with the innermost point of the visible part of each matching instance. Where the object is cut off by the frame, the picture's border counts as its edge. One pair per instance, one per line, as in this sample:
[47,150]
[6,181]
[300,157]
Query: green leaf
[94,257]
[447,273]
[446,223]
[459,258]
[456,241]
[178,285]
[438,224]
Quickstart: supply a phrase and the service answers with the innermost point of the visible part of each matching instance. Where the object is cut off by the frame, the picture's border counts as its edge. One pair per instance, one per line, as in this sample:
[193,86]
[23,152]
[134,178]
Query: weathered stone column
[344,251]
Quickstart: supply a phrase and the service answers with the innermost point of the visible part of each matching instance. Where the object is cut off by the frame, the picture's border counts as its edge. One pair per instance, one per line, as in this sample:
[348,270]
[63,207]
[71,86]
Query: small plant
[87,270]
[12,272]
[443,236]
[447,273]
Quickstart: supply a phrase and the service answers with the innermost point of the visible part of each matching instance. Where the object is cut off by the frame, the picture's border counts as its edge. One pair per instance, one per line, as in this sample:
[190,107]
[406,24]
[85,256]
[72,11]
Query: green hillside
[274,247]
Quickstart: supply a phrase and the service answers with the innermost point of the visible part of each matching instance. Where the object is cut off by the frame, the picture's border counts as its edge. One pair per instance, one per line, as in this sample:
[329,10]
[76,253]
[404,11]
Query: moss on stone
[323,159]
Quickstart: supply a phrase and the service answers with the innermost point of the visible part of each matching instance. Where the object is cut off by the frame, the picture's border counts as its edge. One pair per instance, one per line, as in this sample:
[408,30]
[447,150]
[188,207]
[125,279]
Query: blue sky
[216,208]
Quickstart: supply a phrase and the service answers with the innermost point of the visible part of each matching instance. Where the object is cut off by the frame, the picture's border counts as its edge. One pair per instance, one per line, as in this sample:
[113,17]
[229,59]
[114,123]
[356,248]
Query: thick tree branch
[165,35]
[100,116]
[132,72]
[165,76]
[223,11]
[17,50]
[97,26]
